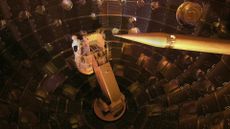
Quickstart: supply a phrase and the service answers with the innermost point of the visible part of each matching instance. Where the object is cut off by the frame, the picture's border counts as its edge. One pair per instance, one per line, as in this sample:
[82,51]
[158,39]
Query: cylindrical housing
[181,42]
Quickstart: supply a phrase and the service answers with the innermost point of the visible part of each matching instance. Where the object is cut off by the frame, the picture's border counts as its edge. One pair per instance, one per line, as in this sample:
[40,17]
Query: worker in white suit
[76,43]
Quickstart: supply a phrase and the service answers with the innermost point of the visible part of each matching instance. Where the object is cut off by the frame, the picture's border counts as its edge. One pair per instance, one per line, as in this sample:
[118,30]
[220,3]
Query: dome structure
[42,88]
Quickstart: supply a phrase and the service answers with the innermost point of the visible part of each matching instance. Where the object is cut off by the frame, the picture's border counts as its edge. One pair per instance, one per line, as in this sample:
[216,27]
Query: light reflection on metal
[220,26]
[41,94]
[134,30]
[93,16]
[76,121]
[23,15]
[123,1]
[48,47]
[189,13]
[99,3]
[2,24]
[140,3]
[181,42]
[40,9]
[70,91]
[132,20]
[57,22]
[155,5]
[67,5]
[115,31]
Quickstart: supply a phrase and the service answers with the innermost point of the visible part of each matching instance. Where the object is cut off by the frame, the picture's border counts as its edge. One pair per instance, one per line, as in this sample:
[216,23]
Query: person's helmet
[74,37]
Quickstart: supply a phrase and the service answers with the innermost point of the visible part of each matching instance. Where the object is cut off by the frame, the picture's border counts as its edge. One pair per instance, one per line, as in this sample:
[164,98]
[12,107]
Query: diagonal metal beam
[181,42]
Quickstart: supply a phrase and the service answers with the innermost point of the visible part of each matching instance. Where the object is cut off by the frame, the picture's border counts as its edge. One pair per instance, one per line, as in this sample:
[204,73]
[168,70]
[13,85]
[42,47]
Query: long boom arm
[181,42]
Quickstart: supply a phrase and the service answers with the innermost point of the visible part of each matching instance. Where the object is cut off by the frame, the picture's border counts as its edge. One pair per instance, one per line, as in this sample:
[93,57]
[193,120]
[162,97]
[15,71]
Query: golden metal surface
[189,13]
[108,82]
[181,42]
[110,112]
